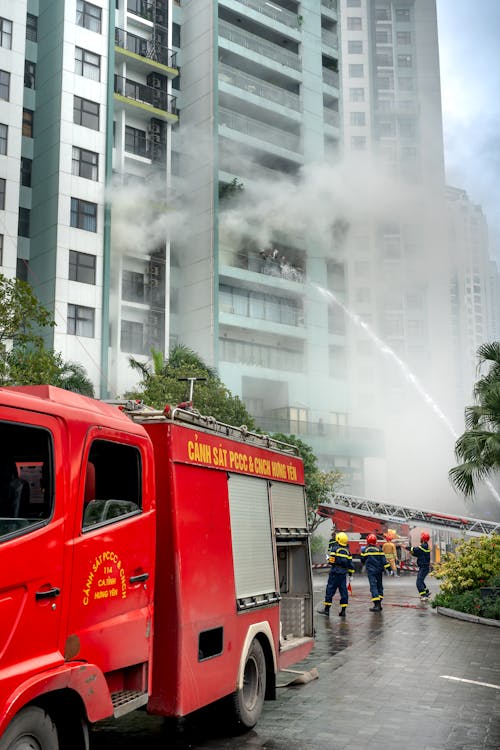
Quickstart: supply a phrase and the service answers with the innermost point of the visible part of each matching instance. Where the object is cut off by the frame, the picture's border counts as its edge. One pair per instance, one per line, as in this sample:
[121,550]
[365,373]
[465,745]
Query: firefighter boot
[377,606]
[325,611]
[342,612]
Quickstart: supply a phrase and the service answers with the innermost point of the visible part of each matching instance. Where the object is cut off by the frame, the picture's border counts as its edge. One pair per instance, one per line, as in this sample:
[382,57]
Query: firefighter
[340,561]
[376,563]
[423,555]
[389,550]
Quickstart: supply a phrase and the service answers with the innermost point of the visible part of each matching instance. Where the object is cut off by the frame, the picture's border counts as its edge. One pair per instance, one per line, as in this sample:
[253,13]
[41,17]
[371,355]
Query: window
[81,267]
[337,362]
[358,142]
[176,35]
[403,14]
[354,47]
[382,14]
[84,215]
[405,83]
[384,83]
[2,193]
[358,118]
[5,33]
[407,128]
[356,70]
[1,249]
[354,23]
[81,321]
[4,129]
[26,457]
[26,165]
[86,113]
[133,286]
[87,64]
[403,37]
[356,95]
[88,16]
[132,337]
[31,27]
[4,85]
[383,36]
[29,74]
[23,224]
[112,483]
[27,129]
[135,141]
[353,3]
[404,61]
[85,164]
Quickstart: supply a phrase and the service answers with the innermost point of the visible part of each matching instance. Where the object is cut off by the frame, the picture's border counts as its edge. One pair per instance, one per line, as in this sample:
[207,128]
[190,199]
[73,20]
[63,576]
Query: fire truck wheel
[248,702]
[31,729]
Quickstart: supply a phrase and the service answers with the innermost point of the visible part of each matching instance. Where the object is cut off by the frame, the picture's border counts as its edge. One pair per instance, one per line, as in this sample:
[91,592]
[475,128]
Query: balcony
[329,39]
[272,11]
[259,130]
[331,117]
[261,46]
[136,93]
[147,49]
[146,148]
[258,87]
[329,4]
[331,78]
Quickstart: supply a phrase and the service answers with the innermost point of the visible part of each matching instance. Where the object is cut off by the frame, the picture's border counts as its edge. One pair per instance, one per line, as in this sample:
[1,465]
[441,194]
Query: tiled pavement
[382,686]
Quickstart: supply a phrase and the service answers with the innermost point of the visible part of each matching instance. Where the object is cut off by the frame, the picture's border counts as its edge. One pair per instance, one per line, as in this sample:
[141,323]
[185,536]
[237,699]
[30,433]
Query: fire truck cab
[148,559]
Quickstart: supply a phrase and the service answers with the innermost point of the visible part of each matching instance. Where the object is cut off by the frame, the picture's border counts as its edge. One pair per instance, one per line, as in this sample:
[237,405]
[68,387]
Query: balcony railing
[330,39]
[147,148]
[273,11]
[331,77]
[258,87]
[260,130]
[331,117]
[330,4]
[261,46]
[150,49]
[140,92]
[142,8]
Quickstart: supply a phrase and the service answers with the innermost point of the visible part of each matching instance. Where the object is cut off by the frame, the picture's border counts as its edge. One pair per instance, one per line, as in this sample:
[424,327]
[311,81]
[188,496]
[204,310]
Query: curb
[469,618]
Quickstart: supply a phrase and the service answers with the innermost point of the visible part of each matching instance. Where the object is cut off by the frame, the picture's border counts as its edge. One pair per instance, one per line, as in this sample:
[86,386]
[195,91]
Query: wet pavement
[406,678]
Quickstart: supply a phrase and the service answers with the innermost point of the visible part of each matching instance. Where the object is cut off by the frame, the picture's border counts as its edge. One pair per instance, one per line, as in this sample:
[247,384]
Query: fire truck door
[31,547]
[110,612]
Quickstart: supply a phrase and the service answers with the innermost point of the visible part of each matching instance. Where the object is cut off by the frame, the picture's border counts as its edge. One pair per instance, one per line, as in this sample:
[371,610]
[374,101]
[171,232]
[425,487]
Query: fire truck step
[128,700]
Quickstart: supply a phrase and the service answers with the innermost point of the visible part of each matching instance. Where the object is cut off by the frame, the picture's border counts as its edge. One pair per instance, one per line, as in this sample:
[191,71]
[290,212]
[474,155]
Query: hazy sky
[469,41]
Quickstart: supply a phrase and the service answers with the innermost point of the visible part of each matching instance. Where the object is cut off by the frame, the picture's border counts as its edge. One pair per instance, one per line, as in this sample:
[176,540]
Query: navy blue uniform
[341,564]
[423,555]
[375,562]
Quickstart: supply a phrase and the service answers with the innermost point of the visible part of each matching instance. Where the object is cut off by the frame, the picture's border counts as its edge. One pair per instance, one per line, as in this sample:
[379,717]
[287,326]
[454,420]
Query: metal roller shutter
[288,504]
[251,532]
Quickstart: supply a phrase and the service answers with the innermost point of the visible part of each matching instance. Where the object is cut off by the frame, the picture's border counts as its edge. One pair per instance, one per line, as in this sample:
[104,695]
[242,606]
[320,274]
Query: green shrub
[475,564]
[469,602]
[491,608]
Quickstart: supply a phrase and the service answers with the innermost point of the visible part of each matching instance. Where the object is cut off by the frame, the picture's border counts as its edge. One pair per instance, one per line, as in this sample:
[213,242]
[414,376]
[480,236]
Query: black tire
[248,702]
[31,729]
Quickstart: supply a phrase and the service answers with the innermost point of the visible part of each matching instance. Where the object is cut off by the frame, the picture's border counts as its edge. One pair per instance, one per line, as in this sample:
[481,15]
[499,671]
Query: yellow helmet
[342,538]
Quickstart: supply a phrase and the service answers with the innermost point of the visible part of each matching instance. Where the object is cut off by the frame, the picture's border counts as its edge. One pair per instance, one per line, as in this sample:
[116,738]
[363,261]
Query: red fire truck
[148,558]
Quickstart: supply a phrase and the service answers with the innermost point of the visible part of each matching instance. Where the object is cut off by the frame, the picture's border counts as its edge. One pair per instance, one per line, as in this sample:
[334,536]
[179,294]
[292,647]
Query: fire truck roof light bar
[400,513]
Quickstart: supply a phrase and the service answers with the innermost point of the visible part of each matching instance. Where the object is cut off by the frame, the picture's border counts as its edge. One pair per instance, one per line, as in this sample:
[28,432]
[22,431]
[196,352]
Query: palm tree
[478,448]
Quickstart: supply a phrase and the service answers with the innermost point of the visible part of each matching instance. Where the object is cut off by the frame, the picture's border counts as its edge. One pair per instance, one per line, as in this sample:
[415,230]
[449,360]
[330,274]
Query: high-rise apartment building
[86,107]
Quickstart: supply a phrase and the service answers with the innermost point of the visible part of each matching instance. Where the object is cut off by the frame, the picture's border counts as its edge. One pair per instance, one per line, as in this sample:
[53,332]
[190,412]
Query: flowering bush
[473,565]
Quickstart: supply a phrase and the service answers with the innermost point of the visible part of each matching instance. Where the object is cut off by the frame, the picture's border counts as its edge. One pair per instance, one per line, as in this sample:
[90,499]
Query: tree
[21,318]
[164,382]
[478,448]
[33,365]
[319,484]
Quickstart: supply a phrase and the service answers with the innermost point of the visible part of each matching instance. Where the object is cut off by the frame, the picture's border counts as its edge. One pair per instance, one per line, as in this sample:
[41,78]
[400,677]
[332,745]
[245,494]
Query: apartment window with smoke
[82,267]
[133,286]
[403,15]
[4,85]
[85,113]
[88,16]
[4,130]
[85,164]
[358,119]
[5,33]
[81,321]
[382,14]
[83,215]
[31,27]
[354,23]
[356,95]
[405,61]
[337,362]
[403,38]
[23,223]
[29,74]
[358,142]
[26,167]
[132,337]
[87,64]
[135,141]
[383,36]
[356,70]
[405,83]
[354,47]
